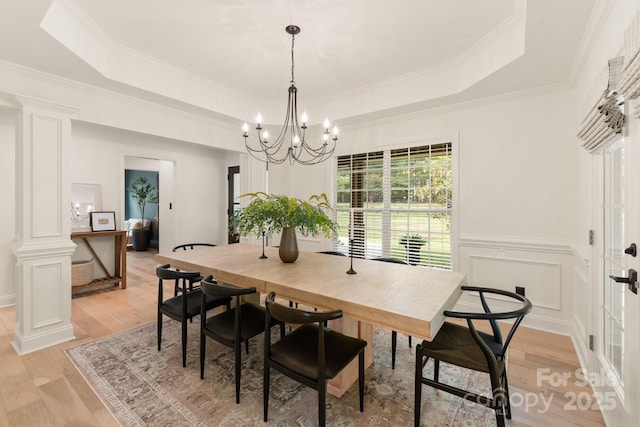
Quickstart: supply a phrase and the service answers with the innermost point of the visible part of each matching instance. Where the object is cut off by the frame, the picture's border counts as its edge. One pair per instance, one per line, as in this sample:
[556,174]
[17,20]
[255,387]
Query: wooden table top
[404,298]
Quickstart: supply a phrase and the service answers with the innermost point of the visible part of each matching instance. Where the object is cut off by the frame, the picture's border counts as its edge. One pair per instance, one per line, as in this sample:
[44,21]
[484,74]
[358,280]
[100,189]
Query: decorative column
[43,246]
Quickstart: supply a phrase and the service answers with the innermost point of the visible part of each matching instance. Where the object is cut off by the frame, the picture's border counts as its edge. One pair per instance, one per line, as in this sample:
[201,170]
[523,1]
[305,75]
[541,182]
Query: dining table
[403,298]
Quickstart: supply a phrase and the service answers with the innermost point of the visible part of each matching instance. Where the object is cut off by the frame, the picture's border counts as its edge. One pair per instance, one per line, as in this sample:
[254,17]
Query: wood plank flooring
[43,388]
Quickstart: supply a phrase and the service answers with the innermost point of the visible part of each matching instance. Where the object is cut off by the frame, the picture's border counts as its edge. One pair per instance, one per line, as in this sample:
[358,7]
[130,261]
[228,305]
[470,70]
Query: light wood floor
[44,389]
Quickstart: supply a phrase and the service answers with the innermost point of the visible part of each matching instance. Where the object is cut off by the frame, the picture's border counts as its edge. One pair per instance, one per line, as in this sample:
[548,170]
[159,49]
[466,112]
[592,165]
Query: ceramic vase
[288,245]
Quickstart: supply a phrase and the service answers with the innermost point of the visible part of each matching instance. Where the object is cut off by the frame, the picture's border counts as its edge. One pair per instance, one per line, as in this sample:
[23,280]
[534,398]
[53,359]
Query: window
[399,202]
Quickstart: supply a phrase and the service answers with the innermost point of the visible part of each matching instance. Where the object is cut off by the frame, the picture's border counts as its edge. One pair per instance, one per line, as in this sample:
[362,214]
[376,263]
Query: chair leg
[203,345]
[394,339]
[409,341]
[265,391]
[418,386]
[361,379]
[184,343]
[436,370]
[507,400]
[237,363]
[322,402]
[159,330]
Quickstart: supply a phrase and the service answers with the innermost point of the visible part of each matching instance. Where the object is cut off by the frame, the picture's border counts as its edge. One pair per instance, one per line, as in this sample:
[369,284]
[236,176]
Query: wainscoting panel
[545,269]
[505,273]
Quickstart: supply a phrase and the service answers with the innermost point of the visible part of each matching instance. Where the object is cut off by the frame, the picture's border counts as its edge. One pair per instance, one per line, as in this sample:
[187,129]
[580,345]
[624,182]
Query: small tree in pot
[143,192]
[413,243]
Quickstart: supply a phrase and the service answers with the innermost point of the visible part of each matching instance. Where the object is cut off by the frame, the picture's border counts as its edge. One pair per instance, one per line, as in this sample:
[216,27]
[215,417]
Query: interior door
[615,375]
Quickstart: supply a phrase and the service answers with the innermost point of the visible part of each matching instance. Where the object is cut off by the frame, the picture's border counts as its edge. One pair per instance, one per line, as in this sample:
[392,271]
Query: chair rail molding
[514,243]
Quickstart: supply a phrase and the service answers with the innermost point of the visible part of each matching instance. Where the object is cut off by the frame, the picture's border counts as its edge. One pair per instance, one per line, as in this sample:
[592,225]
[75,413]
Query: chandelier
[291,141]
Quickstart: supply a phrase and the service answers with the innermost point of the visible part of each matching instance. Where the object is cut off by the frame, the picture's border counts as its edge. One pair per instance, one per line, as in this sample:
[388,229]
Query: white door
[615,374]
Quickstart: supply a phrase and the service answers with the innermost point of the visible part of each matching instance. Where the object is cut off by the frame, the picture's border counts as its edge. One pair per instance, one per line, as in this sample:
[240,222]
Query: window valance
[605,120]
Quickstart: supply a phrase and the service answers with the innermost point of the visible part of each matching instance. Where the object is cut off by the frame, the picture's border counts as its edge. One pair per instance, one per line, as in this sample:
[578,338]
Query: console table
[119,275]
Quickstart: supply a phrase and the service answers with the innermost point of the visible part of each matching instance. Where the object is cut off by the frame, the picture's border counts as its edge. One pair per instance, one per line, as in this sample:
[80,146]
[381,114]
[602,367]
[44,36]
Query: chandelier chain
[293,39]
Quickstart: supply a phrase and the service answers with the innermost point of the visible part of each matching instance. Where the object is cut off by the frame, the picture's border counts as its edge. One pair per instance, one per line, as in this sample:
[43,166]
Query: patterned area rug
[141,386]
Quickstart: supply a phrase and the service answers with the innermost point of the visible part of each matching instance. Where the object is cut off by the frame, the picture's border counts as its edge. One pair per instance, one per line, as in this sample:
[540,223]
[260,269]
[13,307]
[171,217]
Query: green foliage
[271,213]
[143,192]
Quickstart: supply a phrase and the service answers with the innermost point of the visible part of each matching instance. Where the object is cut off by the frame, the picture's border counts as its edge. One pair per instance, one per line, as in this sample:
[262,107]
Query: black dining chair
[394,334]
[312,354]
[470,348]
[183,307]
[231,327]
[336,253]
[189,247]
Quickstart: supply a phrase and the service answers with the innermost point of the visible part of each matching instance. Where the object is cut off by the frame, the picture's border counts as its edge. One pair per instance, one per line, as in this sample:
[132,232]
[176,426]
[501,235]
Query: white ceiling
[354,58]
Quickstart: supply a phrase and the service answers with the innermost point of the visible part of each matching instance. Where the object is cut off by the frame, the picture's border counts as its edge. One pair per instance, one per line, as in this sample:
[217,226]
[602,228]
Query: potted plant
[234,235]
[269,213]
[143,192]
[413,243]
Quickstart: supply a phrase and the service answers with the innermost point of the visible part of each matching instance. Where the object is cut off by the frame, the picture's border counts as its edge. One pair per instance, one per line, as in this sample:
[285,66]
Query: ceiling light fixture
[291,143]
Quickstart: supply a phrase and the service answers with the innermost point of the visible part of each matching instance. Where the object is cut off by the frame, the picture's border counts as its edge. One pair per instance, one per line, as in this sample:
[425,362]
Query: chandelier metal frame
[292,136]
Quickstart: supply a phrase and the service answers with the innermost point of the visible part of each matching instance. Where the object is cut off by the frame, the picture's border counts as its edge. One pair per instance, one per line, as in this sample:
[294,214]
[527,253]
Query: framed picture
[102,221]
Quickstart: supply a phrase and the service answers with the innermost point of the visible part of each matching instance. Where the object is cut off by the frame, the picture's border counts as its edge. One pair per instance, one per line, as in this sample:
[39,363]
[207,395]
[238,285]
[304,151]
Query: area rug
[143,386]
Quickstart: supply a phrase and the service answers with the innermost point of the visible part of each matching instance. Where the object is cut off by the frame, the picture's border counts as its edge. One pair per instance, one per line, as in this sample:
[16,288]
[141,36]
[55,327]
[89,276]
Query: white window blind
[399,202]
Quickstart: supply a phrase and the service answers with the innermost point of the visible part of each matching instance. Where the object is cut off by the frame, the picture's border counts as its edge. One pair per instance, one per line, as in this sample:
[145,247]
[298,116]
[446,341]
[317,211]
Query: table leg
[349,375]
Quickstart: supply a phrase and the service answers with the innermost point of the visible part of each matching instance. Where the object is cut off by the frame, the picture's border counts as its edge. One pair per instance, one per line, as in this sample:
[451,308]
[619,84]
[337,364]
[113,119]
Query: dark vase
[288,245]
[140,239]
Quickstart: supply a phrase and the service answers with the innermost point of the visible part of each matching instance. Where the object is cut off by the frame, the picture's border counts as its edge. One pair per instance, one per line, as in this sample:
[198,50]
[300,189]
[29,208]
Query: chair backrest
[190,246]
[211,288]
[165,272]
[391,260]
[493,317]
[297,316]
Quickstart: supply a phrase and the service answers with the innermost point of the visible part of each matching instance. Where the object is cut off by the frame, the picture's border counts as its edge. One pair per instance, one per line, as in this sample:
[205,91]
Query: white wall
[7,215]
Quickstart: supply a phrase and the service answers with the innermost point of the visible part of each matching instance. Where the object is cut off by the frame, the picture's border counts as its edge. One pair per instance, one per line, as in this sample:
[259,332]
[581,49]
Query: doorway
[233,206]
[131,208]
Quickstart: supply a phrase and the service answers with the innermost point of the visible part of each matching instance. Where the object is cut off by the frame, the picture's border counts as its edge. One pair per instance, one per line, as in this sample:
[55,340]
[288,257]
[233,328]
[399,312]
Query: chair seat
[454,344]
[172,307]
[299,352]
[223,324]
